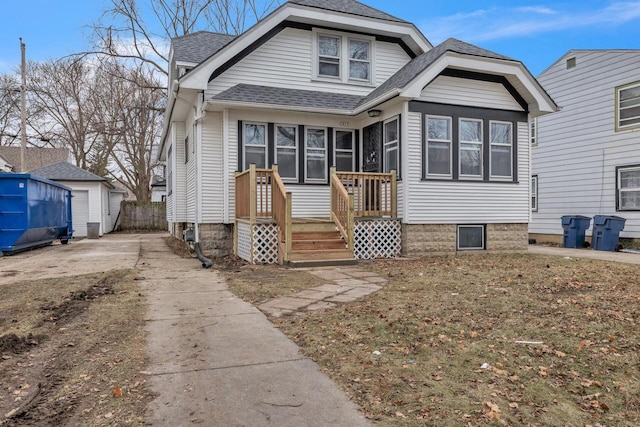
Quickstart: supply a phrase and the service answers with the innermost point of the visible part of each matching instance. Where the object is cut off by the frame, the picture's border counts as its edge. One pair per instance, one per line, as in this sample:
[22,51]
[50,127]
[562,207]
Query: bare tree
[9,108]
[124,32]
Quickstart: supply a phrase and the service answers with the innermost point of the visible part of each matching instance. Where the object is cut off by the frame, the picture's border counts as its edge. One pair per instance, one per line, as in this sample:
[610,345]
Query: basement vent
[571,63]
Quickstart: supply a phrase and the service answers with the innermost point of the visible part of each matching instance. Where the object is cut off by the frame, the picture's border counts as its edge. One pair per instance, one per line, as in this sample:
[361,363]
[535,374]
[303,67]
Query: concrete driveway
[113,251]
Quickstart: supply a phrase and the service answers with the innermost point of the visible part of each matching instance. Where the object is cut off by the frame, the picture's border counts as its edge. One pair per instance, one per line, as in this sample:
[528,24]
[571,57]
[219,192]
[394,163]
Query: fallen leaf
[117,392]
[513,405]
[491,410]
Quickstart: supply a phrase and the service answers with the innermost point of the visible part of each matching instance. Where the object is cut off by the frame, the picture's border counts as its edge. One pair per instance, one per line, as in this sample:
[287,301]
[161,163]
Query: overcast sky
[535,32]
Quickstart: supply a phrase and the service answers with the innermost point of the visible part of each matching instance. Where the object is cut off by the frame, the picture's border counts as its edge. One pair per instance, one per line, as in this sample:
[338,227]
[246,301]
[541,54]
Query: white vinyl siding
[286,61]
[473,93]
[456,202]
[578,147]
[212,169]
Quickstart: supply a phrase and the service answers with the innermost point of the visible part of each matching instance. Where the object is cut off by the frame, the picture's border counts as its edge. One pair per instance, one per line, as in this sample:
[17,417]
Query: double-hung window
[501,137]
[628,106]
[533,131]
[470,137]
[316,155]
[286,151]
[359,60]
[629,188]
[391,139]
[255,145]
[344,150]
[534,193]
[329,55]
[438,158]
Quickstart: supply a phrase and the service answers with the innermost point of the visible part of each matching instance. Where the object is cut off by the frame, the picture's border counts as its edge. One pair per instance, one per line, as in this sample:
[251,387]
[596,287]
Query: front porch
[362,223]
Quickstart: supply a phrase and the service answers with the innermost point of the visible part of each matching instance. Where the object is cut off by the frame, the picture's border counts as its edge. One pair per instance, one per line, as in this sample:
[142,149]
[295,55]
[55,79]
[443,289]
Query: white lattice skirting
[378,238]
[258,243]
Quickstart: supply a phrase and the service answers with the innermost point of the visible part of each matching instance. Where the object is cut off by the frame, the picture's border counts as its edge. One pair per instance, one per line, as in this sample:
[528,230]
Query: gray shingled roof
[289,97]
[420,63]
[348,6]
[65,171]
[196,47]
[35,157]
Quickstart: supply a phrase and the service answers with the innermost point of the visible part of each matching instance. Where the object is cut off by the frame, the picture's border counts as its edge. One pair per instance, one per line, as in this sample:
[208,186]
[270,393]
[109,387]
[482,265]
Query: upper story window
[628,106]
[343,58]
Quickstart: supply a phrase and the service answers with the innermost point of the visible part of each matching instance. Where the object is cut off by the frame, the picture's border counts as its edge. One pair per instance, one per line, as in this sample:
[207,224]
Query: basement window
[471,237]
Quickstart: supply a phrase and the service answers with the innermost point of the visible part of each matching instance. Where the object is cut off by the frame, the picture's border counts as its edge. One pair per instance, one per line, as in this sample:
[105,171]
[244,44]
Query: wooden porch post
[394,194]
[331,174]
[253,193]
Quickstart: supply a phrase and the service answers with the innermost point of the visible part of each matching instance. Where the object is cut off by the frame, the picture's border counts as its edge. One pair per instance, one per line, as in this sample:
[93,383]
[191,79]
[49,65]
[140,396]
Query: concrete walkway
[216,360]
[629,258]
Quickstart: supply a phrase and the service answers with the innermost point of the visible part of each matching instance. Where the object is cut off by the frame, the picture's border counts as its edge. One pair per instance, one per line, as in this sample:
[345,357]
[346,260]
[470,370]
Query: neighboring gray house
[586,157]
[335,83]
[35,157]
[95,200]
[158,189]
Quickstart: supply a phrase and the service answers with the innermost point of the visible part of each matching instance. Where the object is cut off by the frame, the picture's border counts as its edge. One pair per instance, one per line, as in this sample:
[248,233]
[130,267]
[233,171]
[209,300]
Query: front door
[372,148]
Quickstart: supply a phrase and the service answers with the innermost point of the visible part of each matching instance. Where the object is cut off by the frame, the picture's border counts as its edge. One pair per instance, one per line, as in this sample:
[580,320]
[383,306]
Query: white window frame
[338,58]
[619,107]
[534,193]
[337,150]
[620,190]
[389,146]
[306,150]
[449,141]
[478,144]
[533,131]
[484,237]
[244,143]
[495,144]
[350,59]
[344,58]
[296,149]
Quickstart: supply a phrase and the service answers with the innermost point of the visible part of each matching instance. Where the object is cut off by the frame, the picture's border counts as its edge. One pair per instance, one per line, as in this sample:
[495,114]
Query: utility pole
[23,113]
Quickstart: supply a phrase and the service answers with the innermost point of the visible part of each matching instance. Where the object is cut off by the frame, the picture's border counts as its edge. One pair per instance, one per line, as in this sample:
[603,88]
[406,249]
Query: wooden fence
[143,216]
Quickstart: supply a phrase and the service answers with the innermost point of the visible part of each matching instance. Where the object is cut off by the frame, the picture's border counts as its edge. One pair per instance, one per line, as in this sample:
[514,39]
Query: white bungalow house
[367,141]
[586,157]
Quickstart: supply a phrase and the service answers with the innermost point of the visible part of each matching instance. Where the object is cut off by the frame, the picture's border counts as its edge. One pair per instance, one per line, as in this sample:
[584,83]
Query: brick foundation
[440,239]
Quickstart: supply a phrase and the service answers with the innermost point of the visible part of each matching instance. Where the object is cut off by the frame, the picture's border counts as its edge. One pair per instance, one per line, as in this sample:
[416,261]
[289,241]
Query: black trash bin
[574,227]
[606,232]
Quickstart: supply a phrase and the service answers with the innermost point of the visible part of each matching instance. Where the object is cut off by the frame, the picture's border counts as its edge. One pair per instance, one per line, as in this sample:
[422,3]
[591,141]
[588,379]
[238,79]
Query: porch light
[374,113]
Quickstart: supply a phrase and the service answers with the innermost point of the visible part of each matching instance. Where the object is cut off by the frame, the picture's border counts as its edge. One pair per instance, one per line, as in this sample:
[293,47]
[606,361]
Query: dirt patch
[74,352]
[179,247]
[484,340]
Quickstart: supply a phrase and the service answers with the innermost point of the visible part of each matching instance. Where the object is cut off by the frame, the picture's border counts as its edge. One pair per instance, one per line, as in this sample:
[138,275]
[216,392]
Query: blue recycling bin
[574,227]
[606,232]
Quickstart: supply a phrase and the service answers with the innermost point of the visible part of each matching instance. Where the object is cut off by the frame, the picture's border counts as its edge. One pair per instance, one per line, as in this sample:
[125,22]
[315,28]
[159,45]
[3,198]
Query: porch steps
[316,242]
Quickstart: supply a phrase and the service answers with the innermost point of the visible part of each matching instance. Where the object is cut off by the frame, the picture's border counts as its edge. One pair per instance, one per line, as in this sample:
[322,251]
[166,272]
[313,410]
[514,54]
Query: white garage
[95,200]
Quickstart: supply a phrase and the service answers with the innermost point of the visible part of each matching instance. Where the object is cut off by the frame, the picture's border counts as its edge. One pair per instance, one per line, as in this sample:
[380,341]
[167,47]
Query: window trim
[344,59]
[535,189]
[478,143]
[296,149]
[425,162]
[323,180]
[619,170]
[513,139]
[484,237]
[336,149]
[394,144]
[618,89]
[244,143]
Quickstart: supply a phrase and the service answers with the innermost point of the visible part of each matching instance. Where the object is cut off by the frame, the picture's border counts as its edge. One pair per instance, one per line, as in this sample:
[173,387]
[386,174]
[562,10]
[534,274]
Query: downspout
[206,262]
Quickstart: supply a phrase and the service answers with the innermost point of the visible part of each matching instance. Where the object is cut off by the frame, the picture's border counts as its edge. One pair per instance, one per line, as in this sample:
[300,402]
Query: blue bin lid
[603,219]
[567,219]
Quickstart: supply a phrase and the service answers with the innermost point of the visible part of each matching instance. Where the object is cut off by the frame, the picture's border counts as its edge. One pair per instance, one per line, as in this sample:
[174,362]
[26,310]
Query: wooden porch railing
[374,194]
[260,193]
[281,213]
[342,210]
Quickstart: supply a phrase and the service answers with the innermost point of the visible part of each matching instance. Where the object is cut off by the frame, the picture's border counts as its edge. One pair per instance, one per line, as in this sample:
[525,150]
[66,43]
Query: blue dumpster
[574,227]
[33,211]
[606,232]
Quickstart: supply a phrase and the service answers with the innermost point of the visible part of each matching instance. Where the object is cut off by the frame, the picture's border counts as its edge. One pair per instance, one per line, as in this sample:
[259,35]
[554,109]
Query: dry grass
[440,319]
